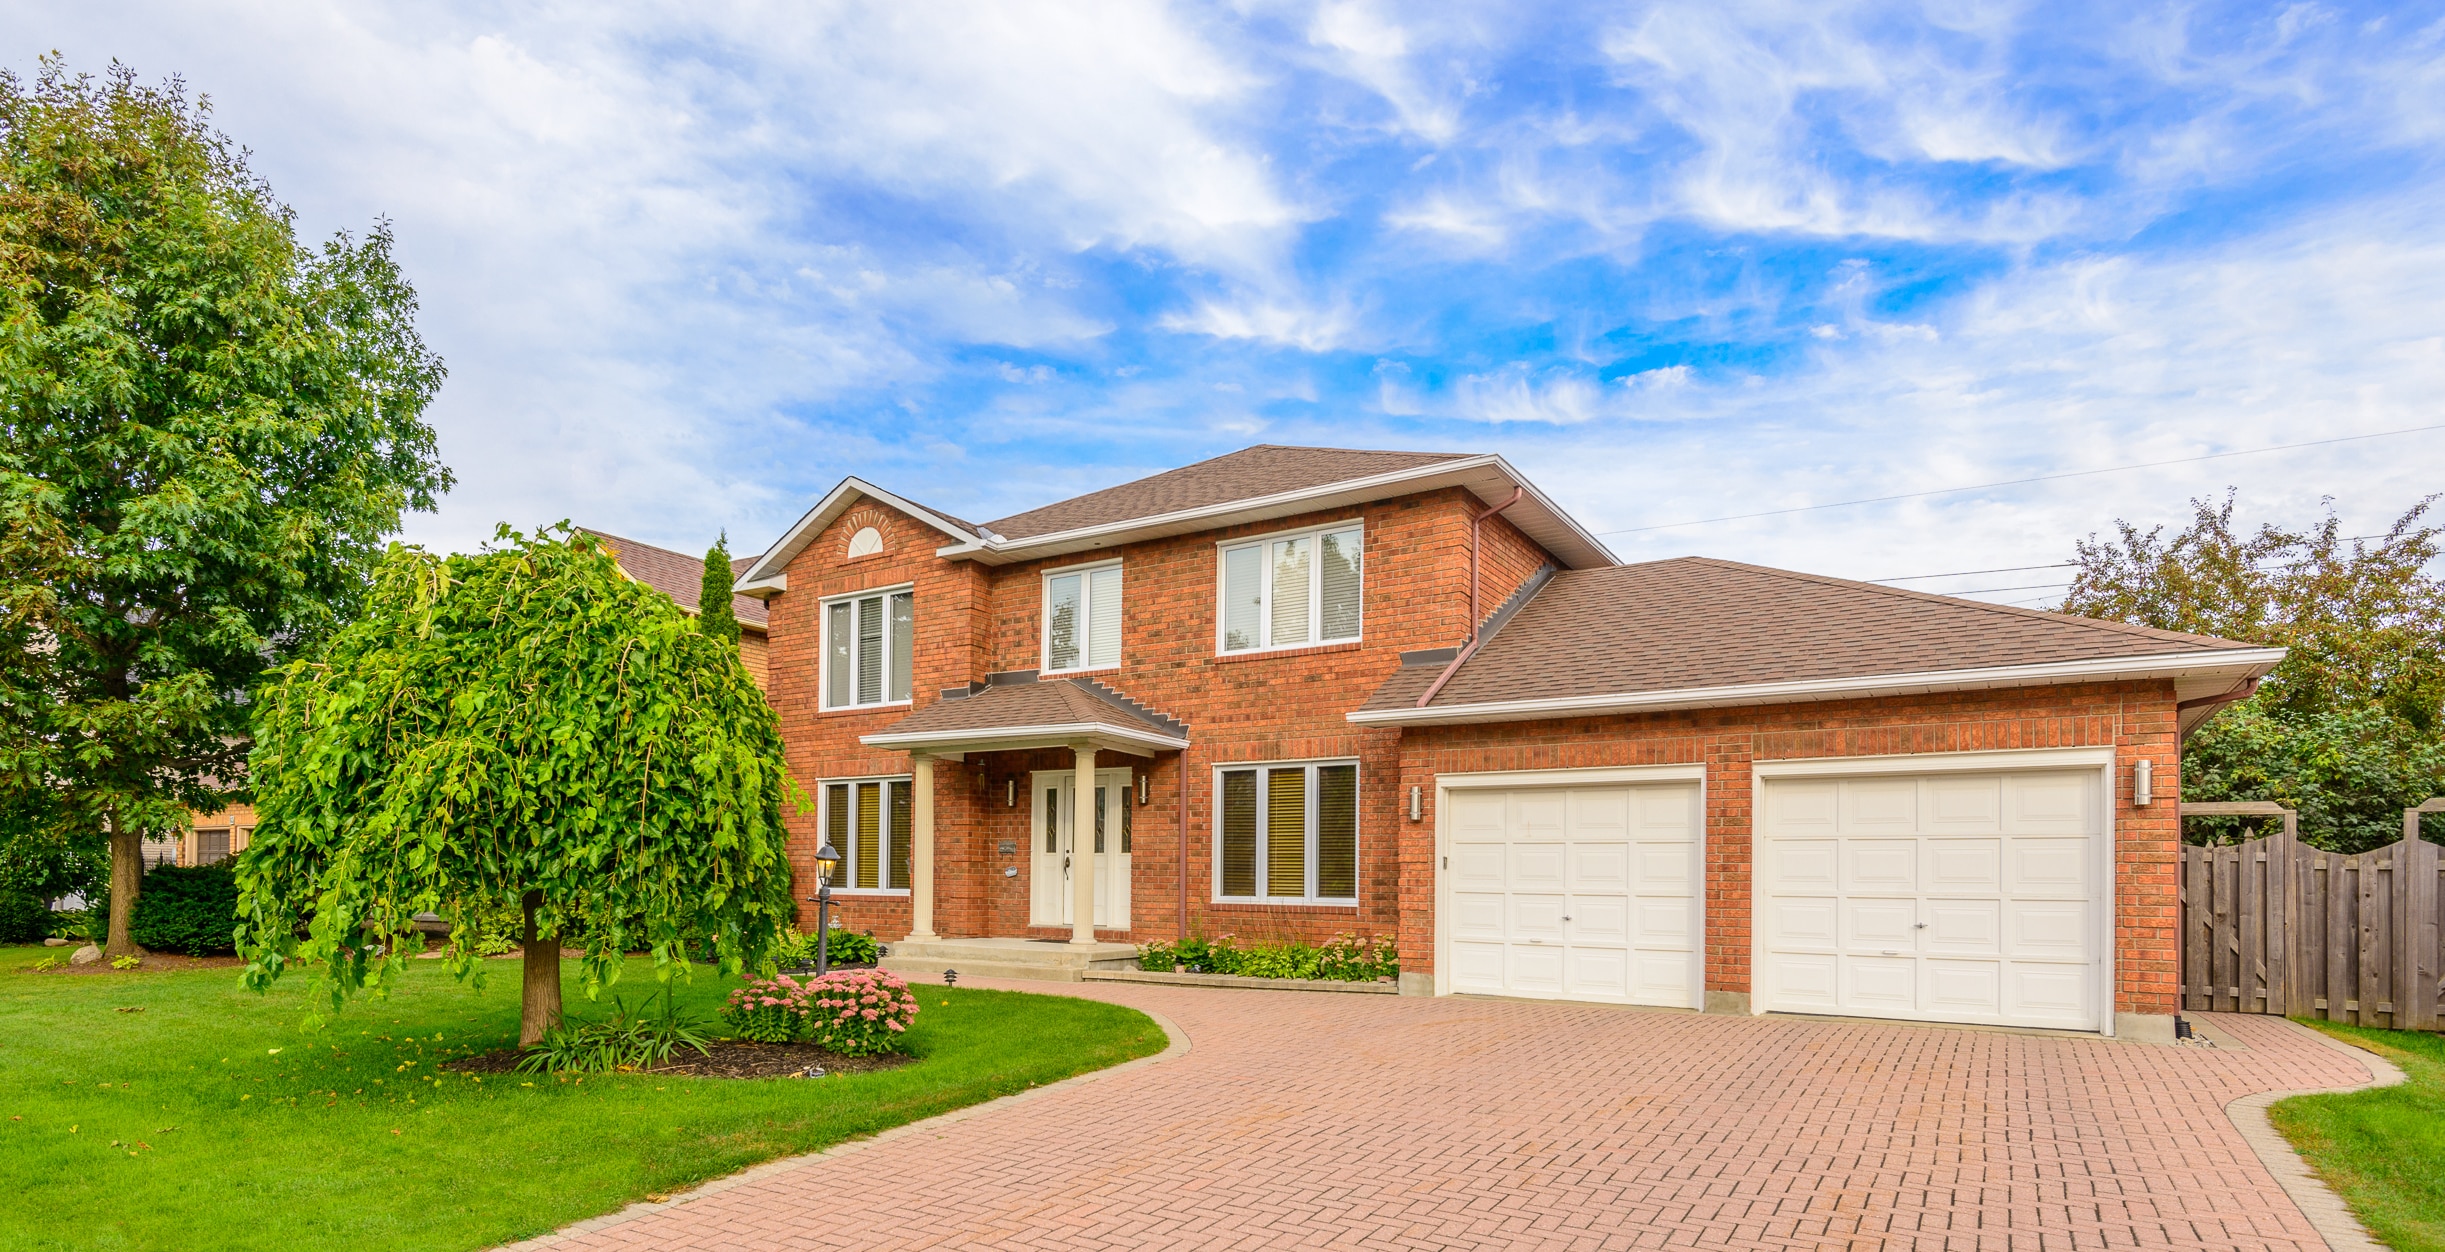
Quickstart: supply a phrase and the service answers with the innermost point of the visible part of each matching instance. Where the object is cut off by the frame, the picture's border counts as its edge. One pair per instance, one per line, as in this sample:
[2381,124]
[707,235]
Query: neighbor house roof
[1018,710]
[1696,632]
[679,576]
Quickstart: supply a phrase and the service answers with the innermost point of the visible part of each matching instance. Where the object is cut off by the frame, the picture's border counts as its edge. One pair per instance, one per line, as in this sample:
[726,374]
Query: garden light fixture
[827,862]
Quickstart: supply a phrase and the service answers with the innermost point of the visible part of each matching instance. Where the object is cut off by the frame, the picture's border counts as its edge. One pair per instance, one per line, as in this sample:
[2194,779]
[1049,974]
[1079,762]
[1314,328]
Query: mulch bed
[728,1058]
[154,962]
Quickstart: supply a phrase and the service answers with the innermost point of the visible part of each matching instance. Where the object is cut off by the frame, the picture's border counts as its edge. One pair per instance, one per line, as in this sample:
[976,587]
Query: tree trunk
[126,881]
[539,1008]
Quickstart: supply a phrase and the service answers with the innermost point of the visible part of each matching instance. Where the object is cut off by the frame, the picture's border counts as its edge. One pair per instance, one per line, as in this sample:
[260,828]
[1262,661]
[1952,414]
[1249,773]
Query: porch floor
[1039,960]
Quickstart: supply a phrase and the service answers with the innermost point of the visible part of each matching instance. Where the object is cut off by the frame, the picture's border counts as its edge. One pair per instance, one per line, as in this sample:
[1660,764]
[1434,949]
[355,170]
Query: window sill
[854,709]
[1243,902]
[1268,654]
[870,893]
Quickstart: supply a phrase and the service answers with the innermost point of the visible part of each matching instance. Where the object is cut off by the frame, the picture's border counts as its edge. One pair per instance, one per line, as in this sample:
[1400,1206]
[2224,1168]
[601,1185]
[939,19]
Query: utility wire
[1962,573]
[2016,482]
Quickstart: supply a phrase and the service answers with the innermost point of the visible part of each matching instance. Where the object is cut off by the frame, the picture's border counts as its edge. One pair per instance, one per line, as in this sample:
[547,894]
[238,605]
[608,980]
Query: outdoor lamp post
[827,859]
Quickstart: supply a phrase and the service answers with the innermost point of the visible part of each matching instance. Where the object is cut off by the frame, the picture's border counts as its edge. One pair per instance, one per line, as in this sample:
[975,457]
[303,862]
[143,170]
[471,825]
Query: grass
[2383,1151]
[210,1119]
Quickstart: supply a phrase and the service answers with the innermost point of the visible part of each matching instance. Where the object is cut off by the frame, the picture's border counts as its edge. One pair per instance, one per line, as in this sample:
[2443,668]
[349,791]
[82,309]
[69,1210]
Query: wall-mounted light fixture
[2143,783]
[1141,790]
[1417,804]
[1012,800]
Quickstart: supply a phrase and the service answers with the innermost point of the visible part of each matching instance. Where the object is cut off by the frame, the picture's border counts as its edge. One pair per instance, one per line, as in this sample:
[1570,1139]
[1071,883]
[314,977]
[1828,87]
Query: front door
[1052,822]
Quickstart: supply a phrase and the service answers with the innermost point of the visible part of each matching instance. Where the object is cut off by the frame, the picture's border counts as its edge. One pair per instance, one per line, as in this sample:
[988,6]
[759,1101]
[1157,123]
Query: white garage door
[1576,893]
[1954,898]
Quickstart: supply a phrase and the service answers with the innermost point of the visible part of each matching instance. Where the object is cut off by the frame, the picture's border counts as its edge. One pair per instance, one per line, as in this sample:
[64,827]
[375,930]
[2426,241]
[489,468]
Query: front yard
[2383,1151]
[152,1110]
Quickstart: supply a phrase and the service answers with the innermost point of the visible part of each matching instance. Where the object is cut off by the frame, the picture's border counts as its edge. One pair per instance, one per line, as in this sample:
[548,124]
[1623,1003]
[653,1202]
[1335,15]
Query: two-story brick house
[1310,691]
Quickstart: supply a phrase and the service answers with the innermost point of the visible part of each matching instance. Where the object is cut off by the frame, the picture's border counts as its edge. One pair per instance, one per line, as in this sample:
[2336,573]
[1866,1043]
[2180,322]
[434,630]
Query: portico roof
[1019,710]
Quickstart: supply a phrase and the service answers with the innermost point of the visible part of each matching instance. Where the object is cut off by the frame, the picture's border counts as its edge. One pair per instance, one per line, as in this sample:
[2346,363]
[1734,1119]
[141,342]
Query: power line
[1980,591]
[2017,482]
[1962,573]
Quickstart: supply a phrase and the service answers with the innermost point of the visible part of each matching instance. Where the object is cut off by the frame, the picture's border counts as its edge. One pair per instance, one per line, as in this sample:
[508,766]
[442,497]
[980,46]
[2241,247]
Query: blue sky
[690,264]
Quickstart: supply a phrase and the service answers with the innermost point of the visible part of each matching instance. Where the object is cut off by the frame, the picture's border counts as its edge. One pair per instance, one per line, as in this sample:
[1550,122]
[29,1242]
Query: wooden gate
[2271,925]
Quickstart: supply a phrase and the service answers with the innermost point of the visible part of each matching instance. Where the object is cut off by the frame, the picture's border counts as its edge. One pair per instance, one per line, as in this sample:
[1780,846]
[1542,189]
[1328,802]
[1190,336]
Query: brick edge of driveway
[2318,1202]
[1177,1045]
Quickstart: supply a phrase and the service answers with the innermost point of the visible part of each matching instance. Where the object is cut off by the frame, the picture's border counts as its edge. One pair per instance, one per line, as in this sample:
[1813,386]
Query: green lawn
[210,1120]
[2383,1151]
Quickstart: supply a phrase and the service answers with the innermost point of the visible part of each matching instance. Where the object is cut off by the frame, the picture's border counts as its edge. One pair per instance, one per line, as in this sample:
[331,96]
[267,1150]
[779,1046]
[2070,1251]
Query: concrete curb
[1177,1046]
[2325,1210]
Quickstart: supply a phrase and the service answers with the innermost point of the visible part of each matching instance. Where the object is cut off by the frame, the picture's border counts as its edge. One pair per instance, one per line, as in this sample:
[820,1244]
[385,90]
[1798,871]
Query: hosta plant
[860,1012]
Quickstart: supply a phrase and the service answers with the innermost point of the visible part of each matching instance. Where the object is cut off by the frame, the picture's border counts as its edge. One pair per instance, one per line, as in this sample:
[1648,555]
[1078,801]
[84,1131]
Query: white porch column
[921,853]
[1082,849]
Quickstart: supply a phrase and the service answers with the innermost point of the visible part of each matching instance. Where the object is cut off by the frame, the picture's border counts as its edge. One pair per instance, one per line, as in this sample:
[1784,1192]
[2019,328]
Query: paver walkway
[1306,1120]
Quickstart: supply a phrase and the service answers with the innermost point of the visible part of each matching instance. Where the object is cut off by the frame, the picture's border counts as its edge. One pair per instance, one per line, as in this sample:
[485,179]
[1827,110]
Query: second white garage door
[1948,897]
[1576,892]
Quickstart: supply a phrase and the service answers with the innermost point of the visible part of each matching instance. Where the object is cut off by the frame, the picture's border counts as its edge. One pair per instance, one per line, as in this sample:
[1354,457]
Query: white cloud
[1374,49]
[1278,320]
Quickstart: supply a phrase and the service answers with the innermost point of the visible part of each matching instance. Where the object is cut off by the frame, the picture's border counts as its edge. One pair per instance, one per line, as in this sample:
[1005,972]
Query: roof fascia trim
[2160,666]
[996,549]
[1069,731]
[768,567]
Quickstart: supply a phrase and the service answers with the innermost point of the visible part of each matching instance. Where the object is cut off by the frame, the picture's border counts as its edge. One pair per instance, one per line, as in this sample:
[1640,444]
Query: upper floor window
[1082,618]
[868,642]
[1287,591]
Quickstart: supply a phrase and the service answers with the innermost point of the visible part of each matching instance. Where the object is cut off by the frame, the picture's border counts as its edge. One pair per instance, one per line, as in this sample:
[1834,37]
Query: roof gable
[766,576]
[1248,474]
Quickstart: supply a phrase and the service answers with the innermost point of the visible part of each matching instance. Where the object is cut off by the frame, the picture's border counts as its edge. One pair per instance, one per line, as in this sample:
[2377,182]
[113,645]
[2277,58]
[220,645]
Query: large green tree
[2347,729]
[525,727]
[207,431]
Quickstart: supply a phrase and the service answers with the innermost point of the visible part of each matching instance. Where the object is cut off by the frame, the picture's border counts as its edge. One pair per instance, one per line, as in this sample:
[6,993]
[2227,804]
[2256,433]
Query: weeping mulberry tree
[521,728]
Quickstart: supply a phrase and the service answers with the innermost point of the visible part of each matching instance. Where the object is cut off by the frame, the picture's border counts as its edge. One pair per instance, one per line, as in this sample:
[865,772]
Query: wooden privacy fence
[2271,925]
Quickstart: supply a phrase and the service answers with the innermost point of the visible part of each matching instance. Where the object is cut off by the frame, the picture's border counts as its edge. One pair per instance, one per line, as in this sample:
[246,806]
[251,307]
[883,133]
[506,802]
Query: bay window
[868,642]
[1082,618]
[1287,833]
[866,820]
[1288,591]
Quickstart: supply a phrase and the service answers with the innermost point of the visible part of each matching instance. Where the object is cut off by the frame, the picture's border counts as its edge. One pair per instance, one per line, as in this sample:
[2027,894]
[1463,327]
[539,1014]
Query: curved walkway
[1308,1120]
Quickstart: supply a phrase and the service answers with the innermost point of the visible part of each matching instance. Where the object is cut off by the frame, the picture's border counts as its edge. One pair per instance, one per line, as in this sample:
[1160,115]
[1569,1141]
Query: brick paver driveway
[1306,1120]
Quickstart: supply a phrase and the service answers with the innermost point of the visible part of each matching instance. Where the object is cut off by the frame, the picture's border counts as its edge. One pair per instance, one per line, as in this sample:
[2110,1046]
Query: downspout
[1184,844]
[1477,529]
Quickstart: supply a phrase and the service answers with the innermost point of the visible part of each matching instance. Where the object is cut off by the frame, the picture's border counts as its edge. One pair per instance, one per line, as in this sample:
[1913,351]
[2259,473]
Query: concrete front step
[1032,959]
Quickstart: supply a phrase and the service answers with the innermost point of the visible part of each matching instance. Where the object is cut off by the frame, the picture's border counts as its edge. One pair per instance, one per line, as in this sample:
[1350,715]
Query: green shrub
[23,918]
[629,1041]
[188,909]
[1345,958]
[842,947]
[78,924]
[860,1012]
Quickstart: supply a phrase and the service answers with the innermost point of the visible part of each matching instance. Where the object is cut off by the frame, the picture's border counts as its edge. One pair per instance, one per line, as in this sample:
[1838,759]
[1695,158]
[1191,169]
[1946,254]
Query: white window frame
[1315,600]
[1315,816]
[823,826]
[823,647]
[1086,594]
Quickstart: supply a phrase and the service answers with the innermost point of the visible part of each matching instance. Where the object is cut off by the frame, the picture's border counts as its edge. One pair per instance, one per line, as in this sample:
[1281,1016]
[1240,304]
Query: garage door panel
[1963,864]
[1965,989]
[1806,922]
[1874,806]
[1880,865]
[1879,982]
[1478,815]
[1578,893]
[1965,927]
[1951,897]
[1884,924]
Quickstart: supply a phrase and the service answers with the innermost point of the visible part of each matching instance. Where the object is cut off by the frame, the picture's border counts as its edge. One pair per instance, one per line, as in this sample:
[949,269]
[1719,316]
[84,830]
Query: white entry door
[1576,892]
[1052,819]
[1945,897]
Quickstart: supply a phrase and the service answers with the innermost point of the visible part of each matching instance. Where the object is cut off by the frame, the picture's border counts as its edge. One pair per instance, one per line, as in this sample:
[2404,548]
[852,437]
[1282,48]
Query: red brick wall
[973,619]
[2136,719]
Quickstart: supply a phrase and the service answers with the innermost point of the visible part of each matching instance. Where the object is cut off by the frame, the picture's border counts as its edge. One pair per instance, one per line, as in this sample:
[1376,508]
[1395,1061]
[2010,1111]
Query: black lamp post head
[827,862]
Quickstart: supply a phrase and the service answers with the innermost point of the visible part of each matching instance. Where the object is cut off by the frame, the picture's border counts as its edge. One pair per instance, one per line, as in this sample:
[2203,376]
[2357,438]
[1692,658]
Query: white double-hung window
[868,645]
[1289,591]
[1082,617]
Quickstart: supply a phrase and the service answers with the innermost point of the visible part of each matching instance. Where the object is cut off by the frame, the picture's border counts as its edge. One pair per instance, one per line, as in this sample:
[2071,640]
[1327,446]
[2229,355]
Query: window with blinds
[866,820]
[1290,591]
[1288,833]
[869,644]
[1082,618]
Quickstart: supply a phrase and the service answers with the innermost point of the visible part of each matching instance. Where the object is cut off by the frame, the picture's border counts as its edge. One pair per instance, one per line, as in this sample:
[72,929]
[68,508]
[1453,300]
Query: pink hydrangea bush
[860,1012]
[770,1010]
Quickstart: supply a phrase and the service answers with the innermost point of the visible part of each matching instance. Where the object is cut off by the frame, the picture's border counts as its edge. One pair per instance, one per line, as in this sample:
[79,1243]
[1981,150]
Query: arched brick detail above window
[865,527]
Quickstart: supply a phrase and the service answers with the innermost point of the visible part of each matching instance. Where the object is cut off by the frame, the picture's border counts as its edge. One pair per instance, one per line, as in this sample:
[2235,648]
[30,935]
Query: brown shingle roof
[1006,705]
[1248,474]
[678,575]
[1700,623]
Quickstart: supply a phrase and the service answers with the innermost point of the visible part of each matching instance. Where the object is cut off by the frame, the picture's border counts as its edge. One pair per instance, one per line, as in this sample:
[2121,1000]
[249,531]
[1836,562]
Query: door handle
[1918,925]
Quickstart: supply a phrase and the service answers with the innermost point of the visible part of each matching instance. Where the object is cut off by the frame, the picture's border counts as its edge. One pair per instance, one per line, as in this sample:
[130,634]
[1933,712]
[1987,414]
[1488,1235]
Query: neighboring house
[682,578]
[1311,691]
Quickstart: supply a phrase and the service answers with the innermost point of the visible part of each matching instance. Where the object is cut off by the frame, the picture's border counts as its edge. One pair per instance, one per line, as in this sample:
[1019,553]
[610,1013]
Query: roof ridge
[2072,619]
[1224,456]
